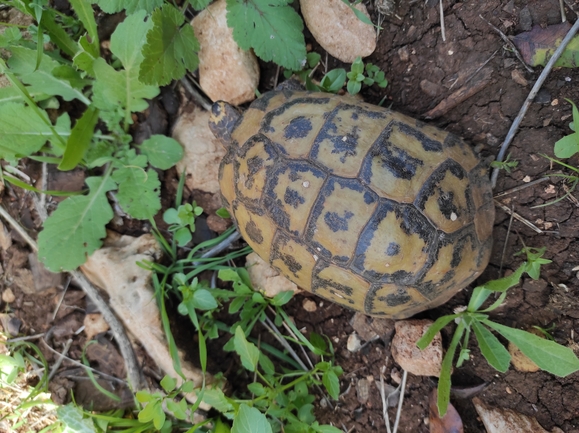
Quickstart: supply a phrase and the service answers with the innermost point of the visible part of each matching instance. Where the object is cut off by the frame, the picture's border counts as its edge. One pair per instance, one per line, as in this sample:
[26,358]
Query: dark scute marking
[293,176]
[336,222]
[254,164]
[341,260]
[254,232]
[414,223]
[293,198]
[275,210]
[430,187]
[354,116]
[344,290]
[224,119]
[396,299]
[401,277]
[299,127]
[393,249]
[279,111]
[446,204]
[428,144]
[394,159]
[369,198]
[452,140]
[262,102]
[293,265]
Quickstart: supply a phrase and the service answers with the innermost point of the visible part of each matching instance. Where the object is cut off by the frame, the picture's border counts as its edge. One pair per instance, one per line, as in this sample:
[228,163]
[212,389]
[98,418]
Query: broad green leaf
[548,355]
[120,89]
[199,4]
[10,35]
[256,388]
[334,80]
[139,191]
[246,350]
[71,416]
[446,369]
[22,132]
[171,48]
[491,348]
[327,429]
[434,329]
[567,146]
[58,33]
[359,14]
[85,14]
[266,364]
[79,139]
[168,383]
[271,27]
[215,398]
[23,63]
[162,152]
[114,6]
[84,57]
[481,293]
[75,229]
[203,300]
[128,39]
[250,420]
[331,383]
[282,298]
[12,94]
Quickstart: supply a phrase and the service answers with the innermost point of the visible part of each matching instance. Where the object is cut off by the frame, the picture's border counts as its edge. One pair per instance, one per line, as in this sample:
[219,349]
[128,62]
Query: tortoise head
[222,121]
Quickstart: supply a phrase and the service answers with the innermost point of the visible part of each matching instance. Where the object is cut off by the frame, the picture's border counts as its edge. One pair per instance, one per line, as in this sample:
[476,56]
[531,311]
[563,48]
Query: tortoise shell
[356,203]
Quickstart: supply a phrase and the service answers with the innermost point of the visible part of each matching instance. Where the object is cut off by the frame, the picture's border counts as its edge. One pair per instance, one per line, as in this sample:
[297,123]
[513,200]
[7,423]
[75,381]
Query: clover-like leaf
[163,152]
[138,191]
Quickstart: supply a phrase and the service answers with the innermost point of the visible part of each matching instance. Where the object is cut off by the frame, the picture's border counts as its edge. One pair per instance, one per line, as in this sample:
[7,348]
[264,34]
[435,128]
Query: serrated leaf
[491,348]
[199,4]
[22,132]
[548,355]
[256,388]
[163,152]
[72,418]
[85,14]
[139,191]
[75,229]
[12,94]
[215,398]
[331,383]
[41,79]
[128,39]
[250,420]
[114,6]
[246,350]
[271,27]
[79,139]
[171,48]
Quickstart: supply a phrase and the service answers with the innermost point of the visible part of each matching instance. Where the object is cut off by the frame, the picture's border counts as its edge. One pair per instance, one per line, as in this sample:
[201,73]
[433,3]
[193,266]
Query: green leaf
[256,388]
[168,383]
[334,80]
[331,383]
[162,152]
[85,14]
[481,293]
[215,398]
[42,79]
[128,39]
[223,213]
[326,429]
[71,416]
[445,370]
[22,132]
[491,348]
[171,48]
[250,420]
[203,300]
[199,4]
[246,350]
[114,6]
[282,298]
[58,33]
[271,27]
[434,329]
[85,57]
[353,87]
[75,229]
[79,139]
[359,14]
[548,355]
[139,191]
[266,364]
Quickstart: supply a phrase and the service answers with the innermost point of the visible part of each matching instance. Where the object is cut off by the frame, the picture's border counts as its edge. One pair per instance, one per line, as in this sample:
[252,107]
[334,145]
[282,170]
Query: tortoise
[359,204]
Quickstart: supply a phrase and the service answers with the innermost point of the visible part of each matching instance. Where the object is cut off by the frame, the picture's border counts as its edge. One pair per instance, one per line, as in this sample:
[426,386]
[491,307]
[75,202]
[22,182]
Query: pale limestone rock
[114,269]
[309,305]
[425,362]
[94,324]
[499,420]
[338,30]
[8,296]
[266,279]
[202,151]
[226,72]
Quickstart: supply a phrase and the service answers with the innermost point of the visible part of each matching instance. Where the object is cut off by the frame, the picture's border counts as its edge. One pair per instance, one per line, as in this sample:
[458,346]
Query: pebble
[338,30]
[425,362]
[354,343]
[309,305]
[226,72]
[363,390]
[8,296]
[519,78]
[5,238]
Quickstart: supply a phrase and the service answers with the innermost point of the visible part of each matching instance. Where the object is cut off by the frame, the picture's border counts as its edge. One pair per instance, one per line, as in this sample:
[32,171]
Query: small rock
[8,296]
[43,278]
[217,224]
[404,54]
[338,30]
[425,362]
[226,72]
[309,305]
[203,152]
[264,278]
[363,390]
[395,376]
[371,328]
[519,78]
[525,19]
[354,344]
[24,280]
[5,238]
[429,88]
[94,324]
[499,420]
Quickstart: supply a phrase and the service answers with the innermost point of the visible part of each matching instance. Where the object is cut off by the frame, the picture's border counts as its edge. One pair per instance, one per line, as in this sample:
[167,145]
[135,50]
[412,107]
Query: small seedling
[506,165]
[182,222]
[356,76]
[548,355]
[568,146]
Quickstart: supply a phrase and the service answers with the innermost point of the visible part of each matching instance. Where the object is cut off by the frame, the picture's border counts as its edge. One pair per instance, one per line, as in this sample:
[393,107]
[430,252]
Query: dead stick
[529,100]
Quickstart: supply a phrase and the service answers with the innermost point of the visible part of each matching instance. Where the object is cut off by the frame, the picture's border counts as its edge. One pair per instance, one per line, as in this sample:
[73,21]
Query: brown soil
[423,71]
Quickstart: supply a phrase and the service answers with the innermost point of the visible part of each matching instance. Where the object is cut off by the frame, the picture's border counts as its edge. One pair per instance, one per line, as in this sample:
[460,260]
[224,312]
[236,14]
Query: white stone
[338,30]
[266,279]
[226,72]
[202,151]
[425,362]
